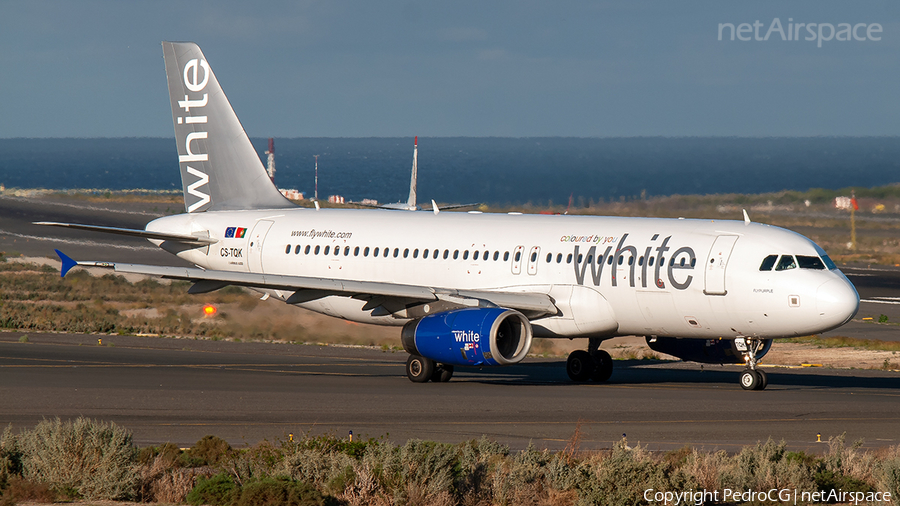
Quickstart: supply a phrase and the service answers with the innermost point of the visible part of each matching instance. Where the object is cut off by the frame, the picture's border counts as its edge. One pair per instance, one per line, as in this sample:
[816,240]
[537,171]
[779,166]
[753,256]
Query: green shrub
[219,490]
[281,492]
[208,451]
[95,460]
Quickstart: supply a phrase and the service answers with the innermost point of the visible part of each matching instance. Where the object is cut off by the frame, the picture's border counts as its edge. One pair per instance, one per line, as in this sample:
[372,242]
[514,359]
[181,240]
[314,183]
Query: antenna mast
[317,176]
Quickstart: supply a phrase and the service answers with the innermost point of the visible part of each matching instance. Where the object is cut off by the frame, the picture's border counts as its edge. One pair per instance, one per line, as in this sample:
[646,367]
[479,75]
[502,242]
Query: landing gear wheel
[603,366]
[419,369]
[442,373]
[750,380]
[763,379]
[580,365]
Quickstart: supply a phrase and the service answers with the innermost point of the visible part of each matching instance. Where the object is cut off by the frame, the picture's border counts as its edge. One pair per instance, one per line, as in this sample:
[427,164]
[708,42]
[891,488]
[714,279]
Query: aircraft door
[517,259]
[533,260]
[255,246]
[717,263]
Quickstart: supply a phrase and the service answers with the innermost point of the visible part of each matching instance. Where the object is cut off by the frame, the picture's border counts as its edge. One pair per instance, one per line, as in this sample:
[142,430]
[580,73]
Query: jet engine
[707,351]
[477,336]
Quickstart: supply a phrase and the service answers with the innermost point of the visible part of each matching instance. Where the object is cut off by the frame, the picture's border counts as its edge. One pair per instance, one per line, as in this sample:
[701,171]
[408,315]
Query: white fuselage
[607,275]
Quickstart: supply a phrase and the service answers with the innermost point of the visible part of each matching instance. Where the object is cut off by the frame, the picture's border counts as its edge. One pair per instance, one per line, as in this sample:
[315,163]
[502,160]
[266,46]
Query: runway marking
[880,301]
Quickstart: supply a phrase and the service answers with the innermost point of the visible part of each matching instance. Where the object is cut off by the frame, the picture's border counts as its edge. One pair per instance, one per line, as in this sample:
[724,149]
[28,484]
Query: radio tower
[271,165]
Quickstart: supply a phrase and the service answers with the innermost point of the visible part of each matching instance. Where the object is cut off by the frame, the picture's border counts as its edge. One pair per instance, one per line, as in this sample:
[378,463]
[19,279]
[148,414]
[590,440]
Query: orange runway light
[209,310]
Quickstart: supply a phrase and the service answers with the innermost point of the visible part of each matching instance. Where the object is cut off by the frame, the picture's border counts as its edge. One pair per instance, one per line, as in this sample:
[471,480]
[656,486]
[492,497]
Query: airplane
[474,289]
[410,204]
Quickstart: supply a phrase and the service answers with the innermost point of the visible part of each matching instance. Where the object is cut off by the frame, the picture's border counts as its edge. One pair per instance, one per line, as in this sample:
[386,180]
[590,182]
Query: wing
[411,301]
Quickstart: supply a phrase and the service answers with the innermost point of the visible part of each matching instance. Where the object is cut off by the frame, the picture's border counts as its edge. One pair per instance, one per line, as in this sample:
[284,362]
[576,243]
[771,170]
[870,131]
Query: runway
[180,390]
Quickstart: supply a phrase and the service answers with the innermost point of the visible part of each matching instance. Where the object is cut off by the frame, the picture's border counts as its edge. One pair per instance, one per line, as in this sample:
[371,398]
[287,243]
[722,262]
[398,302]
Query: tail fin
[220,170]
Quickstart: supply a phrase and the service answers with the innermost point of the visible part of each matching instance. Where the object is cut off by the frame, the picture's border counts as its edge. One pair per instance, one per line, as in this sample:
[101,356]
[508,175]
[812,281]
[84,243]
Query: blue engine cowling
[477,336]
[707,351]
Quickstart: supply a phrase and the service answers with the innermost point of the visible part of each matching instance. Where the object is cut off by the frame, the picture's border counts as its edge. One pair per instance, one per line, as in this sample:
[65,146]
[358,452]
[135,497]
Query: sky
[509,68]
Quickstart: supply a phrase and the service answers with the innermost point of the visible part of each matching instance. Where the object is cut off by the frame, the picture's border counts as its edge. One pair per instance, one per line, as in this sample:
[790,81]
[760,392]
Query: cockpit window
[768,263]
[829,263]
[786,262]
[810,262]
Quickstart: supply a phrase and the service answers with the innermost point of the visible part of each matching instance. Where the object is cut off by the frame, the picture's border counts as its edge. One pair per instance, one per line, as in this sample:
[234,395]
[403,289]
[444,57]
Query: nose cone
[837,302]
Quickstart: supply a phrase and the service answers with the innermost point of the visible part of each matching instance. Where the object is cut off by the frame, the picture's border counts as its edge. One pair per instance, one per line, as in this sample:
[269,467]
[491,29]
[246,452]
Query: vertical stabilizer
[220,170]
[411,203]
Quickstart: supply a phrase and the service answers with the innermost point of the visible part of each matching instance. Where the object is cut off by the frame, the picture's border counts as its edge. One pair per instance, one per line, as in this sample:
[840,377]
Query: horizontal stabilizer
[146,234]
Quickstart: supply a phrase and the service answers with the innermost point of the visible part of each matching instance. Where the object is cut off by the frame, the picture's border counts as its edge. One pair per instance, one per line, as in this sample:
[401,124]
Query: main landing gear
[591,364]
[422,369]
[752,378]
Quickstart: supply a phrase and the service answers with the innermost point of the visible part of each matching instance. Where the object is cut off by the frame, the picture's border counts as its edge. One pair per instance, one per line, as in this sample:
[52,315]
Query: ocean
[489,170]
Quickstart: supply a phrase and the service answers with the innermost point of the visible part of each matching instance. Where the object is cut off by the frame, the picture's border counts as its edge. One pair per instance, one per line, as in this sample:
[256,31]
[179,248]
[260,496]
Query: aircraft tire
[442,373]
[419,369]
[750,380]
[763,379]
[603,366]
[580,365]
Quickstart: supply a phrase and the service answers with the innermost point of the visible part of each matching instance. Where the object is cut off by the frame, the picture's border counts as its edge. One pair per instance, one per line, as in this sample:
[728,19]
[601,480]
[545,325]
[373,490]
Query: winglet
[67,263]
[746,217]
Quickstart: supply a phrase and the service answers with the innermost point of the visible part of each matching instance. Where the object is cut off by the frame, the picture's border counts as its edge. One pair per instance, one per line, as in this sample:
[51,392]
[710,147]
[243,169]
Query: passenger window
[569,258]
[396,252]
[455,254]
[559,258]
[631,261]
[346,251]
[609,260]
[518,255]
[446,253]
[475,255]
[297,250]
[435,254]
[406,253]
[375,253]
[425,253]
[621,259]
[317,250]
[327,249]
[549,257]
[496,255]
[366,252]
[466,255]
[306,251]
[768,263]
[810,262]
[786,262]
[534,256]
[650,262]
[693,262]
[580,258]
[288,249]
[387,251]
[356,251]
[641,261]
[337,250]
[486,255]
[590,259]
[506,256]
[416,253]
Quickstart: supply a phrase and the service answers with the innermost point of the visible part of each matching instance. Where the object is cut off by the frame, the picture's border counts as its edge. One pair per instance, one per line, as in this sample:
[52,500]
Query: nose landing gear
[753,378]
